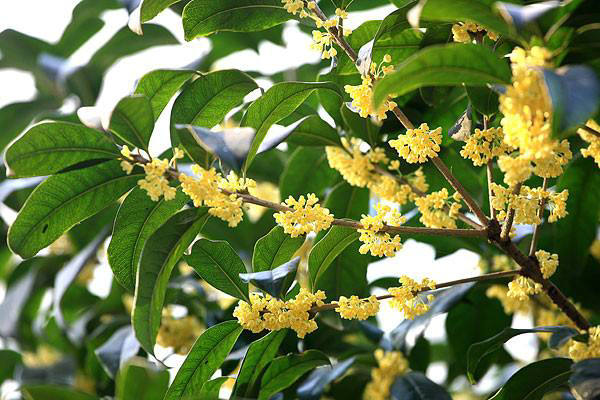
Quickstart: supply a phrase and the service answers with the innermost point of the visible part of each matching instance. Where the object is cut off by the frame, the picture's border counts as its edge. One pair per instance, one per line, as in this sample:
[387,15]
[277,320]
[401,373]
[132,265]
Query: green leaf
[162,251]
[210,390]
[219,265]
[139,379]
[362,128]
[207,100]
[307,171]
[476,11]
[259,355]
[275,282]
[347,201]
[206,356]
[536,379]
[204,17]
[137,219]
[50,147]
[132,120]
[160,85]
[286,370]
[277,103]
[483,99]
[346,275]
[416,386]
[9,360]
[151,8]
[274,249]
[313,131]
[446,65]
[327,249]
[53,392]
[479,350]
[15,117]
[64,200]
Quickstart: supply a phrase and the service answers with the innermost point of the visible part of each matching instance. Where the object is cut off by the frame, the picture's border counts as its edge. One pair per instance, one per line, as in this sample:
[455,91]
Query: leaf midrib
[132,127]
[234,9]
[226,274]
[132,265]
[219,94]
[31,154]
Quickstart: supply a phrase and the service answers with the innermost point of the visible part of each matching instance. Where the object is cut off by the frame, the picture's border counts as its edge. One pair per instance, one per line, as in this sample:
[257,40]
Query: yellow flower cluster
[207,191]
[460,32]
[521,288]
[406,298]
[593,150]
[266,312]
[437,211]
[527,121]
[388,188]
[362,95]
[510,305]
[44,356]
[126,165]
[355,167]
[419,144]
[380,243]
[548,262]
[179,333]
[483,146]
[527,203]
[356,308]
[323,43]
[390,366]
[580,351]
[306,216]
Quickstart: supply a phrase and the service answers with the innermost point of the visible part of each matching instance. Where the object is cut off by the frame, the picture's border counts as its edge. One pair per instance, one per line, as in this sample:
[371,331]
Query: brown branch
[479,278]
[510,217]
[536,228]
[590,130]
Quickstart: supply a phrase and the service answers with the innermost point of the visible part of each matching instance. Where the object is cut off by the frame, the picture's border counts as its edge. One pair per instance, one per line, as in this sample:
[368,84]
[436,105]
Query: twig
[510,217]
[490,181]
[590,130]
[536,228]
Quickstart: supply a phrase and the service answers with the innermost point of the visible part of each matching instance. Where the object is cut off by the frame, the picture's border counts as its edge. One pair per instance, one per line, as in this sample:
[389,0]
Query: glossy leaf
[219,265]
[307,171]
[204,17]
[151,8]
[275,282]
[117,350]
[9,360]
[326,250]
[62,201]
[137,219]
[286,370]
[205,357]
[161,84]
[313,131]
[274,249]
[447,65]
[533,381]
[132,120]
[259,355]
[160,255]
[50,147]
[277,103]
[138,379]
[416,386]
[210,390]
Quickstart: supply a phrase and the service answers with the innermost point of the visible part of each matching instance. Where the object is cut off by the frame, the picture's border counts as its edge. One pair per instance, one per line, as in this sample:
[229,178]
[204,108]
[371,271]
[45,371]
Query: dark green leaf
[477,351]
[275,282]
[151,8]
[326,250]
[274,249]
[210,390]
[204,17]
[346,201]
[137,219]
[9,360]
[313,131]
[260,353]
[416,386]
[219,265]
[132,120]
[277,103]
[347,274]
[62,201]
[139,379]
[286,370]
[162,251]
[585,381]
[50,147]
[160,85]
[445,65]
[483,99]
[16,116]
[207,355]
[53,392]
[536,379]
[307,171]
[362,128]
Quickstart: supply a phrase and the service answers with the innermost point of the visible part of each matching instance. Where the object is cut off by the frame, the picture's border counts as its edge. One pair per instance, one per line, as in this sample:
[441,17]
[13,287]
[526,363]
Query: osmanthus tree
[466,124]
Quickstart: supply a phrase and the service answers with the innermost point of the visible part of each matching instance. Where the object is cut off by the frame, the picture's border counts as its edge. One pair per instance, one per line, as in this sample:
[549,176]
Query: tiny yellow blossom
[355,308]
[527,203]
[293,6]
[437,211]
[521,288]
[355,167]
[593,150]
[483,146]
[380,243]
[390,366]
[156,183]
[548,262]
[306,216]
[460,32]
[510,305]
[419,144]
[580,351]
[406,297]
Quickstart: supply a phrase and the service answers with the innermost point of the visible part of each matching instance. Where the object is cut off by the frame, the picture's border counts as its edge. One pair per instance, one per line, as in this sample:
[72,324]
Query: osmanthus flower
[362,95]
[406,298]
[390,365]
[306,216]
[484,145]
[580,351]
[355,166]
[207,190]
[374,240]
[593,150]
[418,145]
[357,308]
[510,305]
[266,312]
[460,32]
[178,333]
[438,210]
[527,203]
[521,288]
[548,262]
